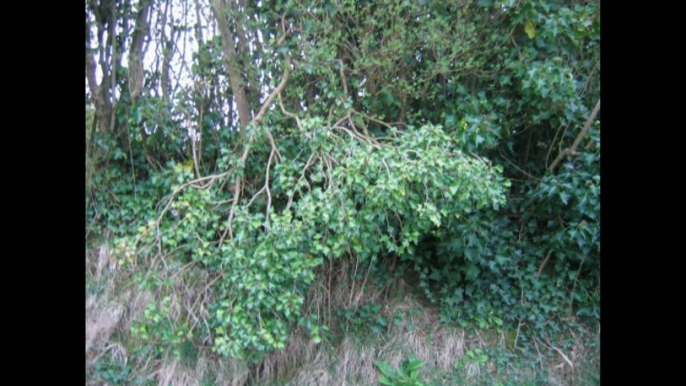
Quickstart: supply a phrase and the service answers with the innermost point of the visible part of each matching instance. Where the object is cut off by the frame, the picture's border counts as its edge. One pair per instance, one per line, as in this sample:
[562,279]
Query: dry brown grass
[225,372]
[117,303]
[351,362]
[109,309]
[103,313]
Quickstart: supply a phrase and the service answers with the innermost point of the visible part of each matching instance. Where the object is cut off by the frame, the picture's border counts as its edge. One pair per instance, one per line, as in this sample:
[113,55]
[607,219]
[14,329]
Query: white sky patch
[182,13]
[182,56]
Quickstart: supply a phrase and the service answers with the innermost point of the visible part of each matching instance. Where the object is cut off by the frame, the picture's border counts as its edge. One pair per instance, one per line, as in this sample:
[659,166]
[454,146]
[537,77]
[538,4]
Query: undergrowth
[381,324]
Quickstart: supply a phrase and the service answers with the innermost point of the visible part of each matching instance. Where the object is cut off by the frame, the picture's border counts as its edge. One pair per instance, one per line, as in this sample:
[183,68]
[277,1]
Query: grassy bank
[373,324]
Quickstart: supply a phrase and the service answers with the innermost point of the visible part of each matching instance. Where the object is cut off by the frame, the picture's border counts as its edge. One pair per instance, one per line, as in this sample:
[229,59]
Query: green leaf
[530,29]
[415,364]
[385,381]
[450,120]
[385,368]
[331,9]
[564,197]
[472,272]
[308,25]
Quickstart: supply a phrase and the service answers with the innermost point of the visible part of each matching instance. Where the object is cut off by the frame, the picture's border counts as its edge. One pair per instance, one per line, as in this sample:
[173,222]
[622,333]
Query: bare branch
[302,175]
[345,85]
[246,151]
[266,185]
[255,196]
[283,109]
[572,150]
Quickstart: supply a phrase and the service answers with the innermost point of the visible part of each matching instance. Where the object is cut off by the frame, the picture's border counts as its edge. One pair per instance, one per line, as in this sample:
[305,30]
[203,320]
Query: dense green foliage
[456,140]
[406,375]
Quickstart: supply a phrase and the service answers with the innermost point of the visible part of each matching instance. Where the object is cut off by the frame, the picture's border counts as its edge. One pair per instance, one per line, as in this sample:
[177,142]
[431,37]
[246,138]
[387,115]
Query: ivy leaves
[371,200]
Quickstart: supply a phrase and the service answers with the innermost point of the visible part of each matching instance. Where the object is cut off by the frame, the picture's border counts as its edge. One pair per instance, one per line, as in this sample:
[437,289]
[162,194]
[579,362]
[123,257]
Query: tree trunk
[245,60]
[136,51]
[99,95]
[220,10]
[168,46]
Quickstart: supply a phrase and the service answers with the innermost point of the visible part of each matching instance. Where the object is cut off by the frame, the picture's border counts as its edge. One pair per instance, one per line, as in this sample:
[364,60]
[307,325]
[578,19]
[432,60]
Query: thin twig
[297,119]
[388,171]
[519,325]
[582,91]
[375,120]
[176,191]
[192,263]
[364,127]
[571,365]
[273,144]
[255,196]
[329,292]
[518,168]
[266,185]
[329,168]
[545,261]
[302,175]
[364,282]
[552,143]
[540,357]
[349,132]
[352,290]
[571,298]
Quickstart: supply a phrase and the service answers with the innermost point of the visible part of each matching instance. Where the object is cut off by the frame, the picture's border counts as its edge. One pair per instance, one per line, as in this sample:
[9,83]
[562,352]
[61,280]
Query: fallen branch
[255,121]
